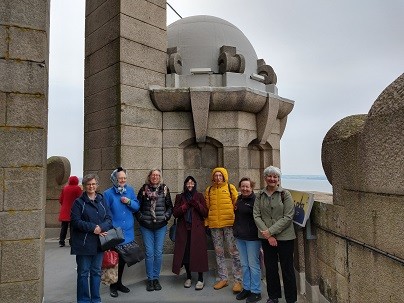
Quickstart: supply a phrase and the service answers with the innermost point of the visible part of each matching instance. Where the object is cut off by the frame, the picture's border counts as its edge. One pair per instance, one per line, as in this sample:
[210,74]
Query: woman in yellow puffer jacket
[220,198]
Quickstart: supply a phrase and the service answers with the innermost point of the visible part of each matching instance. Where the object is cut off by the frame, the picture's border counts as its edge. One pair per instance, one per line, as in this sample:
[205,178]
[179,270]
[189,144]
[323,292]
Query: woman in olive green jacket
[273,214]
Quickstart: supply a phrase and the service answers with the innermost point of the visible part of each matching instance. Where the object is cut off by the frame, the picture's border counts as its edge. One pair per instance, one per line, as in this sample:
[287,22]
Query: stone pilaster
[125,52]
[24,40]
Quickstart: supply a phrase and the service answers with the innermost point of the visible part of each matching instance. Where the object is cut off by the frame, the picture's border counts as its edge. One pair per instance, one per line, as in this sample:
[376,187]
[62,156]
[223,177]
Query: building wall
[24,49]
[57,174]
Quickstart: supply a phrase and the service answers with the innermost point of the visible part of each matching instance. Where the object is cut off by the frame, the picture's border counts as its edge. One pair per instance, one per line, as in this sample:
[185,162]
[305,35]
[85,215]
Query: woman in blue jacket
[122,202]
[90,218]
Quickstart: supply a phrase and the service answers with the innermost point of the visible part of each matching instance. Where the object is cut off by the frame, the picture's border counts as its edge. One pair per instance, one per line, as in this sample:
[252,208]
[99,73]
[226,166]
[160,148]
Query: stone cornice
[245,99]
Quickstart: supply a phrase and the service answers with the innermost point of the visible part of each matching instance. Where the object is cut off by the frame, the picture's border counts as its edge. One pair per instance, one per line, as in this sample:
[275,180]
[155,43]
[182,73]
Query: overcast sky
[333,58]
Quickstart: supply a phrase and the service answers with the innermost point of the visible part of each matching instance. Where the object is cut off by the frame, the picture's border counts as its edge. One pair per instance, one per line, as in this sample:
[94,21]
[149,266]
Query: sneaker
[253,298]
[199,285]
[113,292]
[150,285]
[156,284]
[243,294]
[123,288]
[272,301]
[237,287]
[187,283]
[220,284]
[61,244]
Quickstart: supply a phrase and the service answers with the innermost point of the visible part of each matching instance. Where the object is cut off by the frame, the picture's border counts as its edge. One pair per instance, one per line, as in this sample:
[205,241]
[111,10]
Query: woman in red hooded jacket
[69,194]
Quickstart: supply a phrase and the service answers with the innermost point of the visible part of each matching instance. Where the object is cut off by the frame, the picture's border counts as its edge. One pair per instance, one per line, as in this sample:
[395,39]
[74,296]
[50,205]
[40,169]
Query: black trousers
[63,231]
[284,253]
[121,266]
[187,256]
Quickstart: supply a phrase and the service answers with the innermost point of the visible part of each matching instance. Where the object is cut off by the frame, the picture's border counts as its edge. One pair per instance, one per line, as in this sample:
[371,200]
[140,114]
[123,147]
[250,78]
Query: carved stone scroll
[174,61]
[229,61]
[267,71]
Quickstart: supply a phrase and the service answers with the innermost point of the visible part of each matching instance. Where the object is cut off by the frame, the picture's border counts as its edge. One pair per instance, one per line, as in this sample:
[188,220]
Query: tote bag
[130,252]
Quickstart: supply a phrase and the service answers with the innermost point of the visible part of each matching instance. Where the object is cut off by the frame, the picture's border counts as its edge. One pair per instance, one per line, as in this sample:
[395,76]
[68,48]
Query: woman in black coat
[190,239]
[155,211]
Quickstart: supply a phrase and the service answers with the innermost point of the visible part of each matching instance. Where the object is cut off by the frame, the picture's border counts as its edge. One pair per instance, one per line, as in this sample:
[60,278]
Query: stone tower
[125,52]
[185,99]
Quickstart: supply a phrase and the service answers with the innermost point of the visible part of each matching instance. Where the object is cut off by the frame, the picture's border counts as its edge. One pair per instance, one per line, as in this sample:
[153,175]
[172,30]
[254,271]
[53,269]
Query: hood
[73,180]
[185,189]
[224,173]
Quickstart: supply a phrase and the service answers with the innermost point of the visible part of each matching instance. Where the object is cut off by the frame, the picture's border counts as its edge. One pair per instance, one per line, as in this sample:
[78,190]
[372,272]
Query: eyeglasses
[91,184]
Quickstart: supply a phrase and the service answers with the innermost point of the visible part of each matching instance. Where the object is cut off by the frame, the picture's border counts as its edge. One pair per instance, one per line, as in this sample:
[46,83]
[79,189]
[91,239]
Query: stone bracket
[200,112]
[266,119]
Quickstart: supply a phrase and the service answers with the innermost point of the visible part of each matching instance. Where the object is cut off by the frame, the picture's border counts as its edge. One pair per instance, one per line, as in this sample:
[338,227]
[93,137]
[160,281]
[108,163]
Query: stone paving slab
[60,283]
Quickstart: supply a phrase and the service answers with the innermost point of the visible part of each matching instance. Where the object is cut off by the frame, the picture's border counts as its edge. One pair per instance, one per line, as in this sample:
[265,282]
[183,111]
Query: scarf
[188,196]
[118,189]
[152,195]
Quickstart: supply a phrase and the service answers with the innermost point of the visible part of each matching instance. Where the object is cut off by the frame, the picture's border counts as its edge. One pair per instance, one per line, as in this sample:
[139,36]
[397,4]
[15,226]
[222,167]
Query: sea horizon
[308,183]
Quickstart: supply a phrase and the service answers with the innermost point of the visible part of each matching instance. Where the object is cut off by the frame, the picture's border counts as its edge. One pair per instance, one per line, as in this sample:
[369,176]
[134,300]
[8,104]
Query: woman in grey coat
[273,214]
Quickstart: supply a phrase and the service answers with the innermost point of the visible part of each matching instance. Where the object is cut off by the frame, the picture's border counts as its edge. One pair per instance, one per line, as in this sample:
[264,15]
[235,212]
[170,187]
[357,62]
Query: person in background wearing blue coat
[90,218]
[122,201]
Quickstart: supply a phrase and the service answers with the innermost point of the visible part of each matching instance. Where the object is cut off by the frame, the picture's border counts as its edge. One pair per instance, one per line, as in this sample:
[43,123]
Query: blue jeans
[153,242]
[89,267]
[250,264]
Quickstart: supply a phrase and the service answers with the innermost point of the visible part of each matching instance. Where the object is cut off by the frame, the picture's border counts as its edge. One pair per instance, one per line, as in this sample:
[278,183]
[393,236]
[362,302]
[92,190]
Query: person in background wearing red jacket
[70,192]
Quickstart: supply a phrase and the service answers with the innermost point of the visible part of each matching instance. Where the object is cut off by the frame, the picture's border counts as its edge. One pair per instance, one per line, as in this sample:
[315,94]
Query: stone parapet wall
[358,254]
[58,173]
[350,268]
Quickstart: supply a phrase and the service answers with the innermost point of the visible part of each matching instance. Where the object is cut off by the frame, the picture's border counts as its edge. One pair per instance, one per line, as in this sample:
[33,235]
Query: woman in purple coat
[190,239]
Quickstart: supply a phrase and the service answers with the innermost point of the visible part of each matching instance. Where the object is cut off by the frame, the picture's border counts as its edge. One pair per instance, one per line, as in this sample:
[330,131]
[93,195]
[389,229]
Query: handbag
[130,252]
[110,259]
[109,275]
[114,237]
[173,230]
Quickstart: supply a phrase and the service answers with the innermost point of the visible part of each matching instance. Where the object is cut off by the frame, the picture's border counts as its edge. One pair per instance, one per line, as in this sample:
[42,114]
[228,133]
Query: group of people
[244,220]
